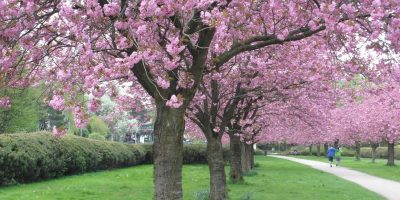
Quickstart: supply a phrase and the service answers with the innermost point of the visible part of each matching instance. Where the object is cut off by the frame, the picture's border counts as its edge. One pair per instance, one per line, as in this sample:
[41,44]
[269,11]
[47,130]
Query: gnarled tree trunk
[390,160]
[358,149]
[215,155]
[236,174]
[168,146]
[310,149]
[374,146]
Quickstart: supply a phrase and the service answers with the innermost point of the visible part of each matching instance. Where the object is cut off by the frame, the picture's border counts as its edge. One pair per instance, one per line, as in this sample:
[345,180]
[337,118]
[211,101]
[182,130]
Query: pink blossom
[5,102]
[174,102]
[58,132]
[111,9]
[174,48]
[94,105]
[163,83]
[80,118]
[57,102]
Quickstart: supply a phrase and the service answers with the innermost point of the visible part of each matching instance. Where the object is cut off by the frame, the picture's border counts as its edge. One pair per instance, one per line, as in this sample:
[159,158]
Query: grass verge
[379,168]
[276,179]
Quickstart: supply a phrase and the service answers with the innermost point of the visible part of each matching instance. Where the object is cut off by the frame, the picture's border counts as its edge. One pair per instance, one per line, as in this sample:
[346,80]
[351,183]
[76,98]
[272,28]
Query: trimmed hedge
[192,153]
[28,157]
[259,152]
[365,152]
[381,152]
[305,151]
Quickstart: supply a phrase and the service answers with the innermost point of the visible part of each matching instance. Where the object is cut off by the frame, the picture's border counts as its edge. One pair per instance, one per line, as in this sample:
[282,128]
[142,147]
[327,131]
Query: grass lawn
[365,165]
[274,179]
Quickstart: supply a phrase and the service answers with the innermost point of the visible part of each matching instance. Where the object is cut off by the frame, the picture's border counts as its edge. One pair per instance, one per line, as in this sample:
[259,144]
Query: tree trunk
[326,149]
[358,148]
[390,161]
[374,146]
[215,155]
[236,174]
[251,157]
[310,149]
[318,150]
[168,148]
[247,156]
[285,146]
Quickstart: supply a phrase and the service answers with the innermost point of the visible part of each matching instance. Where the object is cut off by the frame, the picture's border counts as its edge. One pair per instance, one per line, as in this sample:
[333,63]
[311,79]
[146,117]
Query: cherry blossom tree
[164,48]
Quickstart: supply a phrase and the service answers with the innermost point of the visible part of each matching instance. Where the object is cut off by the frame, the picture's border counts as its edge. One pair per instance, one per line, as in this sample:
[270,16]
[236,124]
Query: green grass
[378,168]
[275,179]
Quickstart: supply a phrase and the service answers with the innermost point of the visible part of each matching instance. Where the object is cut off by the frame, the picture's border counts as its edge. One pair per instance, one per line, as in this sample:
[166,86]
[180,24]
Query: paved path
[386,188]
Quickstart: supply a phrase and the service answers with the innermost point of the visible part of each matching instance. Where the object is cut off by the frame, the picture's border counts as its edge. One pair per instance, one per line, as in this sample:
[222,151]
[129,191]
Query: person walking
[338,155]
[331,154]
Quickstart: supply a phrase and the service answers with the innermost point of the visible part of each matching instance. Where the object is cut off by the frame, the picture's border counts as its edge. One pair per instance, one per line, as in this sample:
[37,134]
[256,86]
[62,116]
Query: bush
[305,151]
[381,152]
[97,136]
[27,157]
[259,152]
[348,152]
[97,125]
[192,153]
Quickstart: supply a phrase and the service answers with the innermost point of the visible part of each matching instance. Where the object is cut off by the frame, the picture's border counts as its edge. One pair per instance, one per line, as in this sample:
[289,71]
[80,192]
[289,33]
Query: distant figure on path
[331,153]
[338,156]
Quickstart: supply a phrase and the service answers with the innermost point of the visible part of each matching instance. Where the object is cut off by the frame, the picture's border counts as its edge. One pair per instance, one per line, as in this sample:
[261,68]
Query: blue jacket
[331,152]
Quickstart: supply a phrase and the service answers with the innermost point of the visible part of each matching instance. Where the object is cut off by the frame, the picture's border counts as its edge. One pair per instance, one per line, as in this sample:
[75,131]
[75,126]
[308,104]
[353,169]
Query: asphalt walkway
[386,188]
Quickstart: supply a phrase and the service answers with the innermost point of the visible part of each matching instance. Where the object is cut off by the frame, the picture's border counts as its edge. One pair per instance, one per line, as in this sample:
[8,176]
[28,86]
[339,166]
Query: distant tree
[97,125]
[24,114]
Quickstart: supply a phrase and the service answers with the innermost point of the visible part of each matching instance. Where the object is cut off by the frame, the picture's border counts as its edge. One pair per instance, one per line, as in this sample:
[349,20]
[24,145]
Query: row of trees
[242,68]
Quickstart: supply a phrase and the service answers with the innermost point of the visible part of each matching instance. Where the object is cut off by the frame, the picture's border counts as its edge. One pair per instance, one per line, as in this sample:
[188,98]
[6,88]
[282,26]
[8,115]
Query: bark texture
[168,145]
[247,157]
[358,149]
[390,161]
[216,165]
[374,146]
[236,173]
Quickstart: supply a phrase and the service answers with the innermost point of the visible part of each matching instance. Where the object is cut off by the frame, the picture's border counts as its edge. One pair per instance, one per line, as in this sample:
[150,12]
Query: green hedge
[259,152]
[192,153]
[27,157]
[305,151]
[364,153]
[381,152]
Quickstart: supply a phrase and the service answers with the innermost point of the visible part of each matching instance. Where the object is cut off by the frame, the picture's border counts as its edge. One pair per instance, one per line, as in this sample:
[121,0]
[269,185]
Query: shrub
[192,153]
[97,125]
[259,152]
[381,152]
[27,157]
[97,136]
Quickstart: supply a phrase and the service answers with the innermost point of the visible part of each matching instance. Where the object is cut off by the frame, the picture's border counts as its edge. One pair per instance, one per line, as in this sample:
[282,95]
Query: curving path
[386,188]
